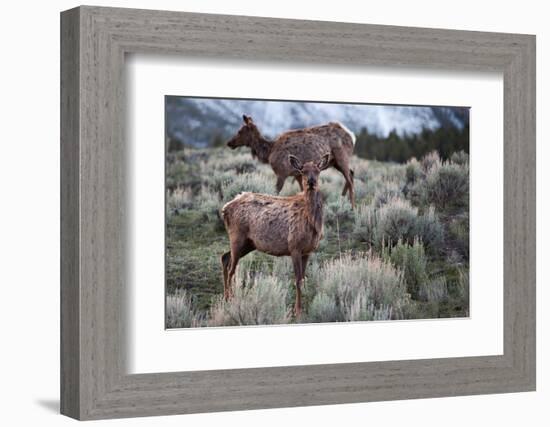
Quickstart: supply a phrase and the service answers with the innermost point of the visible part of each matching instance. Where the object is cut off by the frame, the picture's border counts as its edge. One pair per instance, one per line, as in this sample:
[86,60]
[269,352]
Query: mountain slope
[200,121]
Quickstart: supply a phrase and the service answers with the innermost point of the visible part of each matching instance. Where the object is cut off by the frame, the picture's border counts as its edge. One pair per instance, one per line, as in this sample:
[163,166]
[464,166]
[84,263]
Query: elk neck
[314,209]
[261,148]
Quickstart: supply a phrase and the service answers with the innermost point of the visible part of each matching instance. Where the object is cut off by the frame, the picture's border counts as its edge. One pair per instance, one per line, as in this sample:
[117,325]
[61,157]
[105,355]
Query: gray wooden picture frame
[94,41]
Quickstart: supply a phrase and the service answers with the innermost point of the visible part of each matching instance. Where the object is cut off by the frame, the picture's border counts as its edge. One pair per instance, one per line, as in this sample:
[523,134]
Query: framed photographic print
[292,213]
[393,244]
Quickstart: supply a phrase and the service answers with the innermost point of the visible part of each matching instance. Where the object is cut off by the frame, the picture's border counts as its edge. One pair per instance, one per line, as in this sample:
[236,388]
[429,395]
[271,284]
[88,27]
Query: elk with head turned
[305,144]
[279,226]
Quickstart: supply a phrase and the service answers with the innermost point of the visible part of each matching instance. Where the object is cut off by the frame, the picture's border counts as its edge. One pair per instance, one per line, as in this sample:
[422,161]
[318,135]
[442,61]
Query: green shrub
[181,173]
[413,171]
[338,209]
[361,287]
[460,158]
[397,220]
[462,289]
[434,291]
[236,163]
[430,161]
[364,224]
[387,193]
[178,200]
[208,203]
[180,312]
[442,184]
[459,232]
[411,259]
[430,231]
[361,310]
[447,186]
[258,300]
[323,309]
[254,182]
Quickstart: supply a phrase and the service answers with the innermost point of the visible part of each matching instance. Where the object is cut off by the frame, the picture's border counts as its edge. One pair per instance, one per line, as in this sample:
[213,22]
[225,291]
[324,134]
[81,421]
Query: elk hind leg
[239,248]
[342,166]
[346,187]
[341,162]
[226,260]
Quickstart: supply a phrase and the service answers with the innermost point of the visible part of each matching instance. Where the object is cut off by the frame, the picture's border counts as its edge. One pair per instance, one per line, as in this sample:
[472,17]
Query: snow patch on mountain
[197,121]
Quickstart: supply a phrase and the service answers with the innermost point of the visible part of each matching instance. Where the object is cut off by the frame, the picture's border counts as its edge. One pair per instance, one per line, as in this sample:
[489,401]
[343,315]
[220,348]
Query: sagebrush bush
[178,199]
[338,209]
[361,168]
[180,312]
[411,259]
[430,161]
[323,308]
[184,170]
[447,186]
[459,231]
[393,173]
[236,163]
[460,158]
[361,310]
[430,231]
[208,203]
[215,181]
[254,182]
[361,189]
[358,287]
[413,171]
[397,220]
[385,194]
[364,223]
[462,288]
[258,299]
[434,290]
[290,188]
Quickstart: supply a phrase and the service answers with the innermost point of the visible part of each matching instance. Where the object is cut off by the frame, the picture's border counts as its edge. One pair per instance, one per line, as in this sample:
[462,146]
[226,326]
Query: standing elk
[280,226]
[305,144]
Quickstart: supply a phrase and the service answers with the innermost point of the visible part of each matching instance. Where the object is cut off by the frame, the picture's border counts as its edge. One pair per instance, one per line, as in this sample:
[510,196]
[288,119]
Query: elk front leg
[304,265]
[226,260]
[299,181]
[298,273]
[280,183]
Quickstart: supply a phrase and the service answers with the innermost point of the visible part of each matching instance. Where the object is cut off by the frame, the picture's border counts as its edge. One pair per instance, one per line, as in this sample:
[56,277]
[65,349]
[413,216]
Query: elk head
[247,134]
[309,171]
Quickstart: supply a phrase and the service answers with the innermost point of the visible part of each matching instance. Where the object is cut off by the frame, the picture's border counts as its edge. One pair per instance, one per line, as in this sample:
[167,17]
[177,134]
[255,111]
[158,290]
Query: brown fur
[278,226]
[307,144]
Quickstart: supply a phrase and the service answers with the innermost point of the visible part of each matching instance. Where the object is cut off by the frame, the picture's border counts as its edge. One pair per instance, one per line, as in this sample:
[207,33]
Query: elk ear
[247,119]
[295,162]
[324,162]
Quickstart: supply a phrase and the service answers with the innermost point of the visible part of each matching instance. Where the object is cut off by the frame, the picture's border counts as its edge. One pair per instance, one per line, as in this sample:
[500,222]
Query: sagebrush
[402,253]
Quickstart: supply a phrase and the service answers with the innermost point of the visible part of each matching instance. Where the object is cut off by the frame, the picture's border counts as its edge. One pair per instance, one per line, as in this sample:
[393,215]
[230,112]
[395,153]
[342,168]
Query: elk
[279,226]
[305,144]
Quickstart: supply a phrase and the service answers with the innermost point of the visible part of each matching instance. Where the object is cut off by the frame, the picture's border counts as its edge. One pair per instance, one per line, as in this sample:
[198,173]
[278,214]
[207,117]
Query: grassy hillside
[403,253]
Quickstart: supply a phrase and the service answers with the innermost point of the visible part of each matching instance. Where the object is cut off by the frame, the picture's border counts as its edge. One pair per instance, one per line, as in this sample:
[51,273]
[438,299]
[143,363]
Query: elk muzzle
[231,143]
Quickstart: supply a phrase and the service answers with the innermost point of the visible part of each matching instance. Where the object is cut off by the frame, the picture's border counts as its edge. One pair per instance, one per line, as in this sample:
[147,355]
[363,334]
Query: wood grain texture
[94,381]
[70,257]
